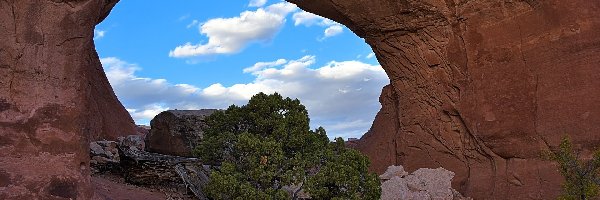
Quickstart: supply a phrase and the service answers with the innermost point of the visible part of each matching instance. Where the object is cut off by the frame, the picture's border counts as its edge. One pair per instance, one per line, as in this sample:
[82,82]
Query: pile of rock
[133,142]
[104,156]
[127,158]
[159,155]
[145,168]
[423,184]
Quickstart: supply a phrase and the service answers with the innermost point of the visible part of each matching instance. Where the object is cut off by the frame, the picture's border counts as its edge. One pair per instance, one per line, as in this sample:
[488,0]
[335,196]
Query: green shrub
[267,145]
[581,176]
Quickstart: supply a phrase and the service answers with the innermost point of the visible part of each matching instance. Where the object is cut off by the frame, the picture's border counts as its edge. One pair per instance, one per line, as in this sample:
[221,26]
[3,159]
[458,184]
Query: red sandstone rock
[54,98]
[480,87]
[477,87]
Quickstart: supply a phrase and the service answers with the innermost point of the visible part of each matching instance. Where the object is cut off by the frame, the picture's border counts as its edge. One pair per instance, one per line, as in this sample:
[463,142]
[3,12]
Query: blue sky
[161,55]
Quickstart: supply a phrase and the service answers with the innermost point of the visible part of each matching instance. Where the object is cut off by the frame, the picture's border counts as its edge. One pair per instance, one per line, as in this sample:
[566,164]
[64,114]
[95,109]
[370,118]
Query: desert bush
[581,176]
[266,146]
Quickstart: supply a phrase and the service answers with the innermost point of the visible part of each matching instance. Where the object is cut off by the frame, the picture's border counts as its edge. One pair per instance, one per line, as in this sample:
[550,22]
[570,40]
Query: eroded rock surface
[480,87]
[127,161]
[146,168]
[104,156]
[135,142]
[423,184]
[54,98]
[177,132]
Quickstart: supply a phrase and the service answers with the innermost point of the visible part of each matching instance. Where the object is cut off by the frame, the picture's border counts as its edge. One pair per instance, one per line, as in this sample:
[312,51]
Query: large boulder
[54,98]
[423,184]
[480,87]
[177,132]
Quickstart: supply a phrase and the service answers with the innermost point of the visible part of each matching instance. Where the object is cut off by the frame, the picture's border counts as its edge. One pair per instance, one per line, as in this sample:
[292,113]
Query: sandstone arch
[54,98]
[480,87]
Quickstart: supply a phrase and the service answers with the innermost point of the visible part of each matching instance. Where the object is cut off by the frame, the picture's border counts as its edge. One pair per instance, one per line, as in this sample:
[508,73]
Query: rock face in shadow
[54,98]
[480,87]
[104,156]
[177,132]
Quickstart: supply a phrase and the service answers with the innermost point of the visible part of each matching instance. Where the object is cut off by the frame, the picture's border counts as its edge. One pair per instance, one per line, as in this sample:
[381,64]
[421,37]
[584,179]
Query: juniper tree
[267,145]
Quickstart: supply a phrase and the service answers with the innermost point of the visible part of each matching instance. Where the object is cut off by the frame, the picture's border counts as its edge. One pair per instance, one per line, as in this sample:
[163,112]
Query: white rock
[393,171]
[423,184]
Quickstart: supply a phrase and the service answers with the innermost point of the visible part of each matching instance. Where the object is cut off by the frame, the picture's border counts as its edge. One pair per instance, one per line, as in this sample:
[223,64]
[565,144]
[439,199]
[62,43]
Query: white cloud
[147,112]
[371,55]
[260,65]
[257,3]
[139,92]
[339,70]
[99,34]
[333,30]
[349,129]
[192,24]
[231,35]
[282,9]
[308,19]
[184,17]
[340,96]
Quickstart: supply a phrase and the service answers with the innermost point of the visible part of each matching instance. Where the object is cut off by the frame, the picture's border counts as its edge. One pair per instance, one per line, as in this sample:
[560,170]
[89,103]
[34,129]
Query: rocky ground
[110,188]
[122,171]
[114,187]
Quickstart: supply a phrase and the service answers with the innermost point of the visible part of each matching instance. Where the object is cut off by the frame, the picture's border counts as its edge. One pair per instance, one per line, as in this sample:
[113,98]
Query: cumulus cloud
[231,35]
[333,30]
[260,65]
[341,96]
[308,19]
[98,34]
[147,112]
[257,3]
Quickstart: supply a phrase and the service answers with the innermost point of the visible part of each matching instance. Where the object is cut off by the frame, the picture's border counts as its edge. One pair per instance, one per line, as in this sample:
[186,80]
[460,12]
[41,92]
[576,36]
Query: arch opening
[203,60]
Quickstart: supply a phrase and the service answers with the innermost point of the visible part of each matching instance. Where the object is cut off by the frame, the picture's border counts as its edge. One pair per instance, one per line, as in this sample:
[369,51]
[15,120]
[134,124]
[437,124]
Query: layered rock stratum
[54,98]
[480,87]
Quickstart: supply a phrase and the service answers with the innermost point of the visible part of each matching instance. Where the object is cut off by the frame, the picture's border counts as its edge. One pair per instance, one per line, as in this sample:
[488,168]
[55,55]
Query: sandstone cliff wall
[54,98]
[480,87]
[477,87]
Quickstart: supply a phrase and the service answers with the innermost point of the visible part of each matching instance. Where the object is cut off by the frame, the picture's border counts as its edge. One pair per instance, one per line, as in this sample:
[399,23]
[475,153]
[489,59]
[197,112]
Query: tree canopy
[581,176]
[266,146]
